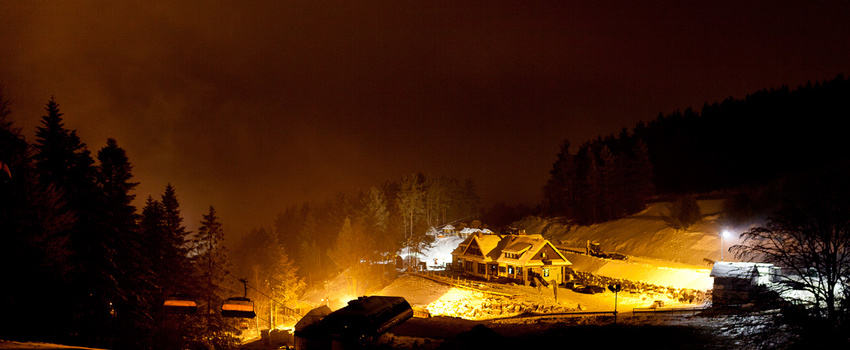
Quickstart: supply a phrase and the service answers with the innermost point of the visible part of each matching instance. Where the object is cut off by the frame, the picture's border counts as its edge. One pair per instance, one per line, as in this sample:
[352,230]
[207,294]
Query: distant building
[448,230]
[738,282]
[519,258]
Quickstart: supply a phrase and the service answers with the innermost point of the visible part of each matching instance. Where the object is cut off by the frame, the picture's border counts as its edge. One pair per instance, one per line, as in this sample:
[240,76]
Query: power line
[261,293]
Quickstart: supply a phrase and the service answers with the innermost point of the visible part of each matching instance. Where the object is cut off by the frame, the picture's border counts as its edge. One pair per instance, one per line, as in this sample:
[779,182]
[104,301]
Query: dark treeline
[733,144]
[81,266]
[355,232]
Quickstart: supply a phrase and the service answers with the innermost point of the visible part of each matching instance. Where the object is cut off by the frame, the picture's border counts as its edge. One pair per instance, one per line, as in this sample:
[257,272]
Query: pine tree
[610,185]
[309,254]
[350,253]
[63,161]
[175,251]
[559,192]
[412,207]
[34,249]
[153,234]
[132,268]
[210,262]
[374,213]
[638,178]
[210,258]
[270,270]
[162,227]
[589,187]
[436,199]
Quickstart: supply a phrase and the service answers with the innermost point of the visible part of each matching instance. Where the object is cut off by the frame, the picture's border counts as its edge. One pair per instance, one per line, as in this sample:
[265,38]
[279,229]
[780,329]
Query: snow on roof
[488,244]
[745,270]
[533,243]
[468,230]
[517,247]
[448,227]
[492,247]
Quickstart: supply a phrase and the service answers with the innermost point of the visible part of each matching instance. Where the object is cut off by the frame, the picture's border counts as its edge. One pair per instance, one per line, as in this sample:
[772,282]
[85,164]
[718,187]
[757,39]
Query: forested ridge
[725,146]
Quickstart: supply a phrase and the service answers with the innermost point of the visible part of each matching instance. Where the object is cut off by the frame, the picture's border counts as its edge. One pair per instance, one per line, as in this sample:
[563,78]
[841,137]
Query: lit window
[545,272]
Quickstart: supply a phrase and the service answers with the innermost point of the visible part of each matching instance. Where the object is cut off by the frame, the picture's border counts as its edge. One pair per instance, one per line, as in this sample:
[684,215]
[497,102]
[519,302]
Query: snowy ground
[444,300]
[658,256]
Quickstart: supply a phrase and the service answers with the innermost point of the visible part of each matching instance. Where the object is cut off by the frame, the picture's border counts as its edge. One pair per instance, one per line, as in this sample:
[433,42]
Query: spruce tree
[62,160]
[210,258]
[559,192]
[34,250]
[412,206]
[132,268]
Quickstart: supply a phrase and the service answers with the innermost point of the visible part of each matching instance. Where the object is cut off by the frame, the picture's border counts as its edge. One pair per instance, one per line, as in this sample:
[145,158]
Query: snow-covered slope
[440,252]
[647,234]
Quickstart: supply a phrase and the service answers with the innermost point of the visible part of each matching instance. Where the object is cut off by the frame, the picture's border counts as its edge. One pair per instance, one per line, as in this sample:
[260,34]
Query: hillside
[646,234]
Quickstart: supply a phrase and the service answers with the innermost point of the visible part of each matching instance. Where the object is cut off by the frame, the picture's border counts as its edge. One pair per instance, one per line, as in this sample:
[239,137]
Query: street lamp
[723,234]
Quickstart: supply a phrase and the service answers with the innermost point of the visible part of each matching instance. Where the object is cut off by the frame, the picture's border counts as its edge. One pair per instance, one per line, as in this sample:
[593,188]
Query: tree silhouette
[808,236]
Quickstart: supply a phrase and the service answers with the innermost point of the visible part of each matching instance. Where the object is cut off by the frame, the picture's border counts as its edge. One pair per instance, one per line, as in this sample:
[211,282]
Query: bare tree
[808,237]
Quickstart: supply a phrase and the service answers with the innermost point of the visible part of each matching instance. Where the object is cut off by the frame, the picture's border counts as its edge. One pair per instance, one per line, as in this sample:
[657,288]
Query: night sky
[253,106]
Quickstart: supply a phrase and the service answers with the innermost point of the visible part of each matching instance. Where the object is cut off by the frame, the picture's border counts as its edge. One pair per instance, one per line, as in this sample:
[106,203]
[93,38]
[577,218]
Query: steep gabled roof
[492,247]
[528,246]
[488,245]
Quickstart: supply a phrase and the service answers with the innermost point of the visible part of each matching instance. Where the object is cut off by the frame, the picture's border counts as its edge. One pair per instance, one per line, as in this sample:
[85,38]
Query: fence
[461,283]
[681,310]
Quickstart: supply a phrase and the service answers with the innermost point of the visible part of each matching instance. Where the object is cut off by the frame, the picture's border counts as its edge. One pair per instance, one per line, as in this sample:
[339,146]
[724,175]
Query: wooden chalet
[517,258]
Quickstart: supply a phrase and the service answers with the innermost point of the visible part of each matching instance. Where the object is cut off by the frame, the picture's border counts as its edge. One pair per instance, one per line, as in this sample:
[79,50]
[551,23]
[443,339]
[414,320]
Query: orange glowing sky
[255,106]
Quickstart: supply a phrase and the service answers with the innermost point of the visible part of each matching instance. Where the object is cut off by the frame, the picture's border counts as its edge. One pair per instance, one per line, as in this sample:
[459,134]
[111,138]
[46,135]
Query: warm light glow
[237,307]
[181,303]
[726,234]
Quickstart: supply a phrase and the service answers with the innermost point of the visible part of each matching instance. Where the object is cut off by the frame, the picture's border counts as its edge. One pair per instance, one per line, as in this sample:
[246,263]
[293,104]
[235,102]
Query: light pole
[723,235]
[614,288]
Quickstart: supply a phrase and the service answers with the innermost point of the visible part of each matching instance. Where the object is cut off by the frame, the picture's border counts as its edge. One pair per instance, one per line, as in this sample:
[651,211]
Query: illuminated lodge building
[516,258]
